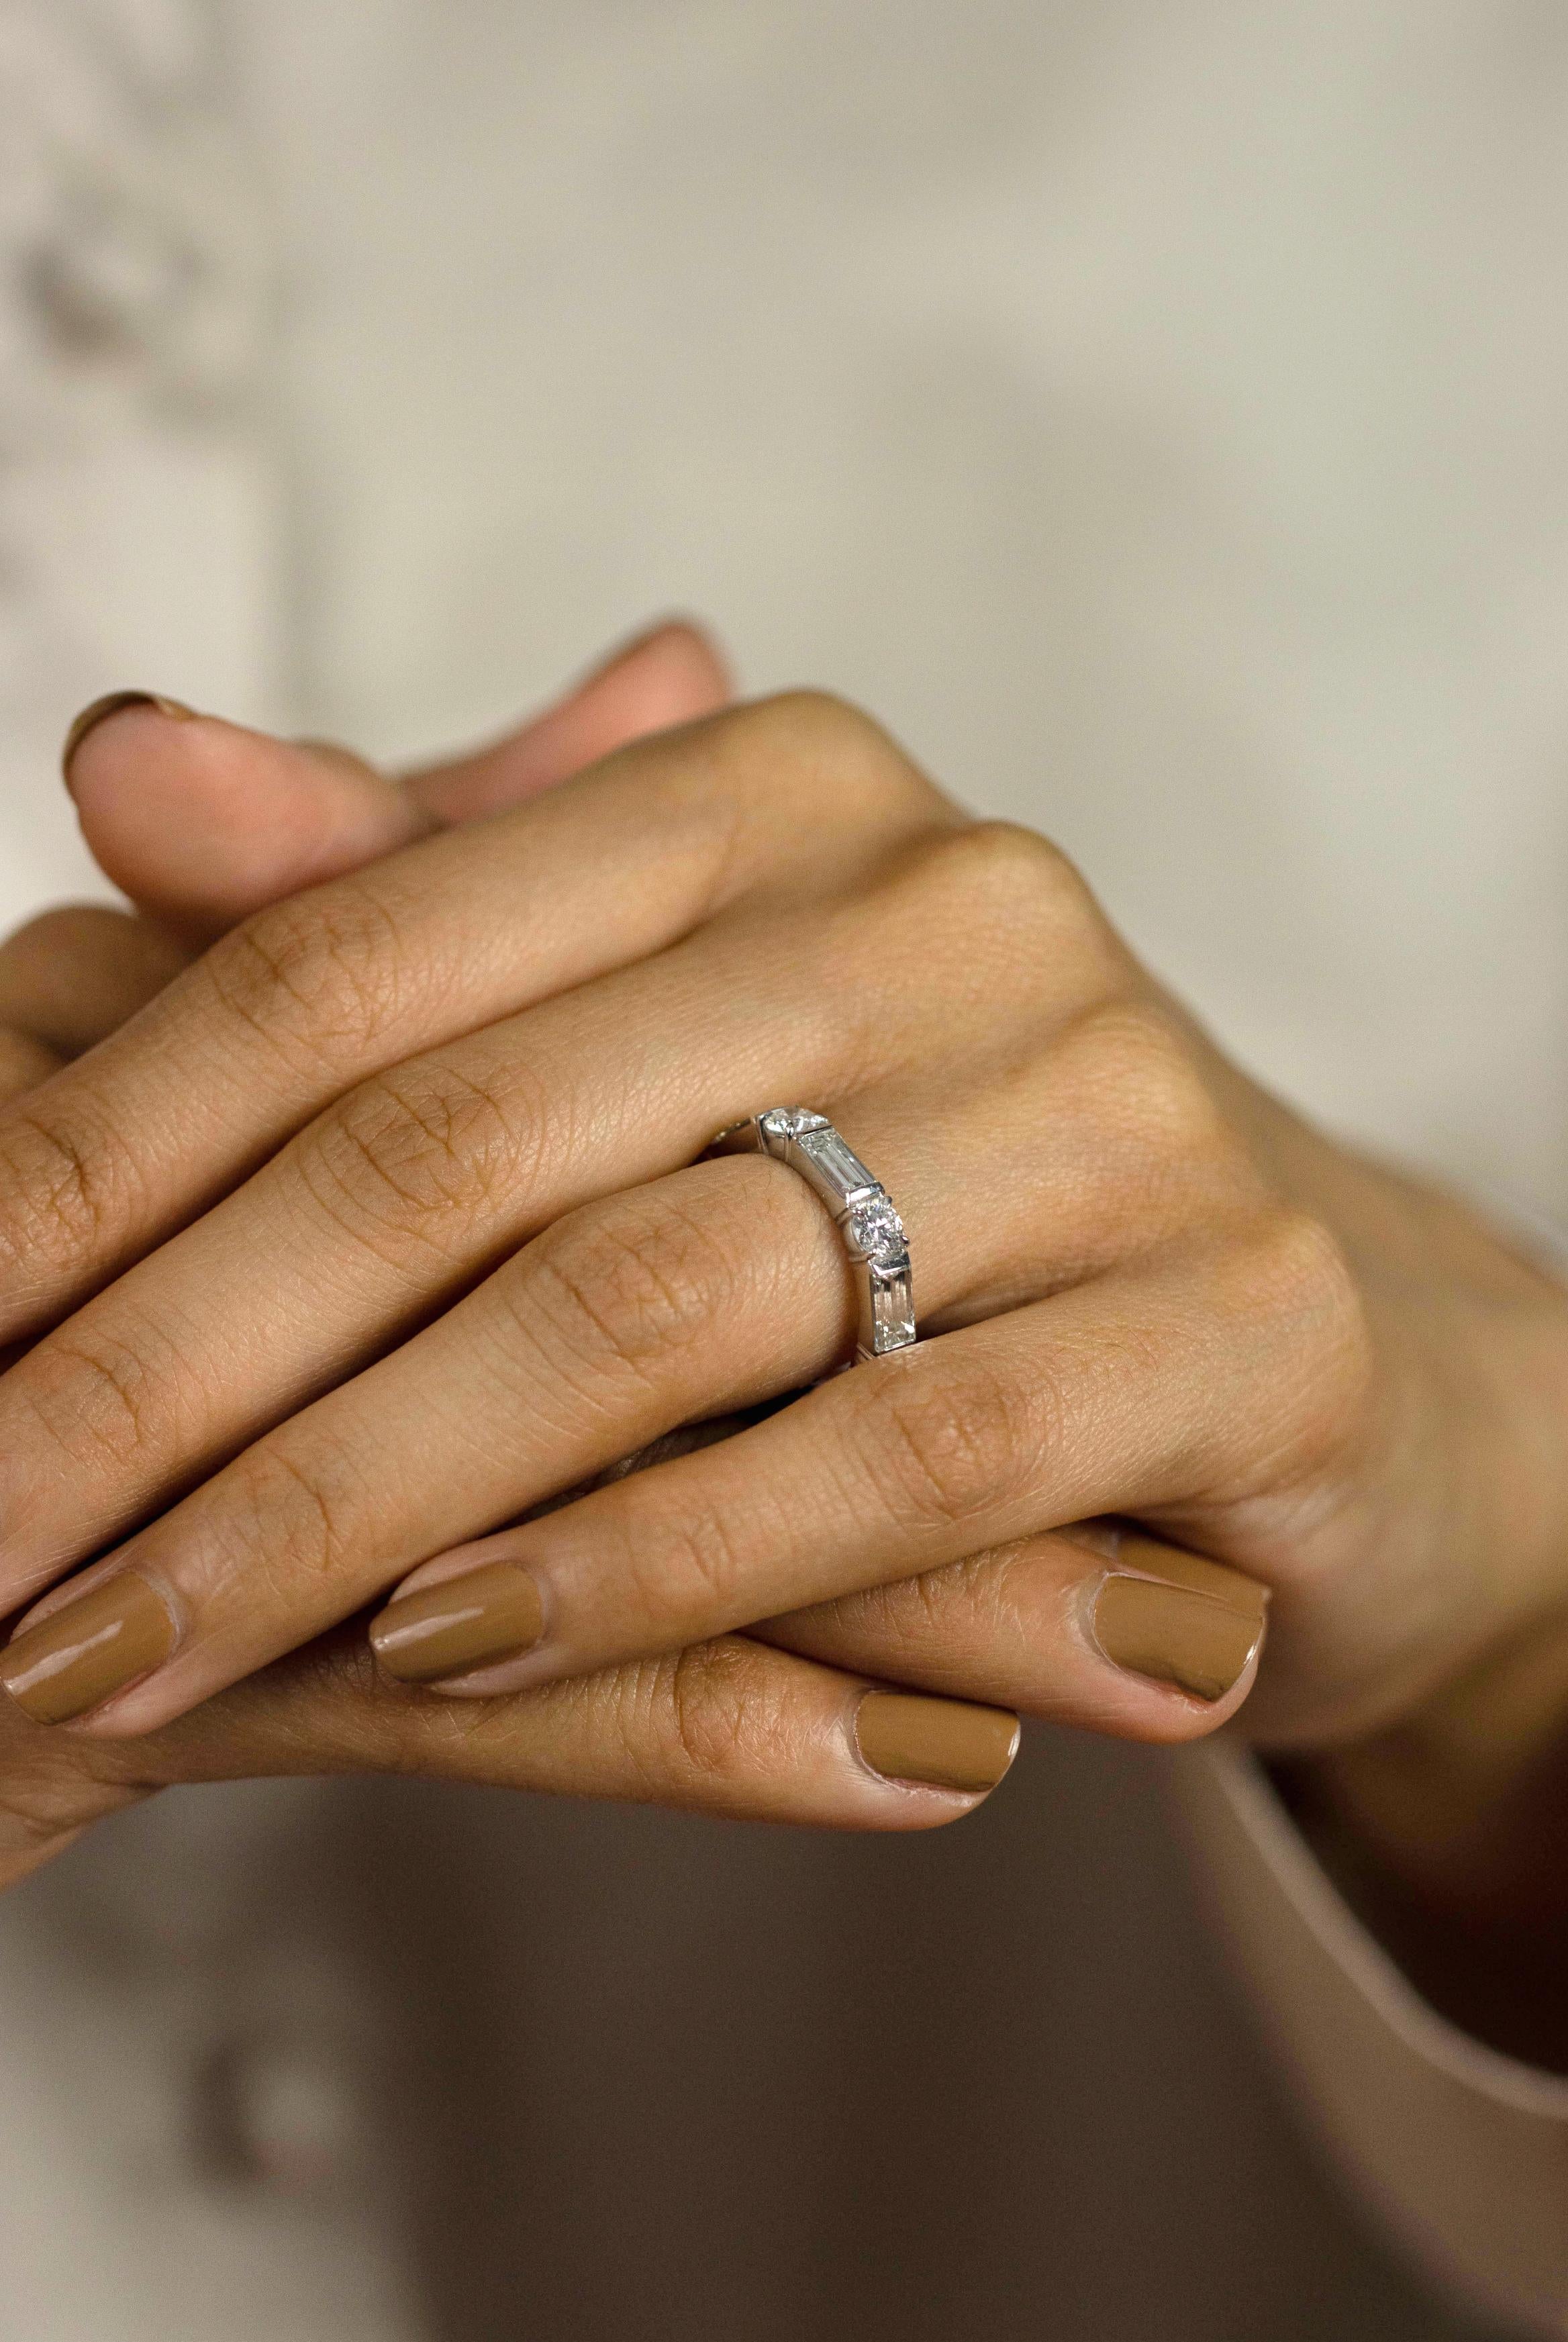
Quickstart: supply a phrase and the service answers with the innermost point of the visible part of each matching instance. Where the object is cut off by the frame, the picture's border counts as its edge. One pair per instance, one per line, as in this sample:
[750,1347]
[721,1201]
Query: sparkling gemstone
[874,1227]
[893,1335]
[839,1167]
[891,1304]
[790,1121]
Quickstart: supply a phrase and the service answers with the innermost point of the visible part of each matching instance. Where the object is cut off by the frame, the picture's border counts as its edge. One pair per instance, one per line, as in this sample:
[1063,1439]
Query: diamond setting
[864,1211]
[786,1122]
[892,1306]
[841,1176]
[875,1228]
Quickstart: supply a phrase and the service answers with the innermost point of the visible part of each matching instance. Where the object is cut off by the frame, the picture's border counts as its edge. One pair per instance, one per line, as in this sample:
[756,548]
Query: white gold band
[862,1209]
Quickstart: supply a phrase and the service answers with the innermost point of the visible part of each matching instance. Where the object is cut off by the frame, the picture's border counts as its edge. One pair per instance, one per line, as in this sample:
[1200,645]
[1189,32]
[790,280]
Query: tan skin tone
[1152,1293]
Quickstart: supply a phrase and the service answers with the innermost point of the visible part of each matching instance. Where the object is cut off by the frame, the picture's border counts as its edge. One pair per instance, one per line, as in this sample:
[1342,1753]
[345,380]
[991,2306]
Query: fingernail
[80,1656]
[1173,1564]
[1194,1640]
[940,1744]
[474,1621]
[100,710]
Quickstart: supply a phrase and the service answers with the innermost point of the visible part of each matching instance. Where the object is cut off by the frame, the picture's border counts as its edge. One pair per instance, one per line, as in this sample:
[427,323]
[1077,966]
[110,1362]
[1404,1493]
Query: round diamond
[874,1227]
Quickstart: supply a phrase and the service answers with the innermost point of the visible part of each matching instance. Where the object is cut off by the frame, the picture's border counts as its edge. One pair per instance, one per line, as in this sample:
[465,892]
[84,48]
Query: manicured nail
[1194,1640]
[1173,1564]
[80,1656]
[474,1621]
[112,704]
[940,1744]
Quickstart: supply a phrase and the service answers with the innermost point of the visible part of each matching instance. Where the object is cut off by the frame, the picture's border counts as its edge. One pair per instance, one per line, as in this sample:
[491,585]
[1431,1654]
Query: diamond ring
[862,1208]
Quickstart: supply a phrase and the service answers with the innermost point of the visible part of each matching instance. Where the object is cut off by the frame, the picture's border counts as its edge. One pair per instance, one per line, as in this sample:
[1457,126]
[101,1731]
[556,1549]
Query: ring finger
[717,1287]
[1100,1399]
[410,1189]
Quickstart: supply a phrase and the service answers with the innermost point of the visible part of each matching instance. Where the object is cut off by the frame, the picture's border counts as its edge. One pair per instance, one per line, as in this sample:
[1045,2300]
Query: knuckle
[99,1397]
[726,1727]
[635,1284]
[1008,860]
[1132,1058]
[704,1693]
[420,1152]
[945,1612]
[1301,1276]
[686,1576]
[319,977]
[807,722]
[339,1670]
[828,747]
[947,1449]
[1003,871]
[1017,905]
[69,1188]
[285,1520]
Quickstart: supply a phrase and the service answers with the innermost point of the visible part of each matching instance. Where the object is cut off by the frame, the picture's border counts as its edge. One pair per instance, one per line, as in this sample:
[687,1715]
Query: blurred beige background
[1159,415]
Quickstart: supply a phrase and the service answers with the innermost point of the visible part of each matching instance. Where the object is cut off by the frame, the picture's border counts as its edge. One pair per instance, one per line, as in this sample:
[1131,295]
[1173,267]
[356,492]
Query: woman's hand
[726,1727]
[1179,1343]
[682,1732]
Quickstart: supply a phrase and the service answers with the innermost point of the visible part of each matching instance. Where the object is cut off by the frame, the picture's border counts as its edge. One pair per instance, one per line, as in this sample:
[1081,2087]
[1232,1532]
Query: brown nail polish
[80,1656]
[940,1744]
[112,704]
[474,1621]
[1173,1564]
[1180,1636]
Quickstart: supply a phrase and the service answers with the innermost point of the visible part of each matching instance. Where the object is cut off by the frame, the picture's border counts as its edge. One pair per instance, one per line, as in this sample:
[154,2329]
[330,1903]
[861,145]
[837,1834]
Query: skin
[195,847]
[458,1187]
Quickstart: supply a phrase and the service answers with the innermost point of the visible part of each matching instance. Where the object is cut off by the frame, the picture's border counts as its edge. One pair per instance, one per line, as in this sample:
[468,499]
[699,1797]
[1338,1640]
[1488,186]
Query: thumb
[201,821]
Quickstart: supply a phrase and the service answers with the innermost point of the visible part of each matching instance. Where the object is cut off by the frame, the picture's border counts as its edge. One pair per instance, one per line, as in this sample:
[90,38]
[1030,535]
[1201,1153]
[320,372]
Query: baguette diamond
[873,1233]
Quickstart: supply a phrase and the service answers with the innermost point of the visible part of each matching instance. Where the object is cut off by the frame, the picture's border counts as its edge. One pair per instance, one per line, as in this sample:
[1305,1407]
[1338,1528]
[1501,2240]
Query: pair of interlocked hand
[351,1209]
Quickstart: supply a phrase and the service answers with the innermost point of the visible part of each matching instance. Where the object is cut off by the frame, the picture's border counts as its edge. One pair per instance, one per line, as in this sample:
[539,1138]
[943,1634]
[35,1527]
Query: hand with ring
[351,1266]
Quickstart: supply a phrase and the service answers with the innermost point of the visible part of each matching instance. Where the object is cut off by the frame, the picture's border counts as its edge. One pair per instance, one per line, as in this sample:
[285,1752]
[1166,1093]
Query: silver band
[862,1209]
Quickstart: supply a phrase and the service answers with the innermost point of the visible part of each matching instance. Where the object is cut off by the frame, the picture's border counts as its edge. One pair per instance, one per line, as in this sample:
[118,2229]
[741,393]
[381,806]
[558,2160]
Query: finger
[732,1729]
[203,821]
[320,992]
[1105,1398]
[75,974]
[50,1792]
[667,1302]
[401,1196]
[23,1064]
[25,1061]
[234,820]
[986,1436]
[1096,1626]
[671,675]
